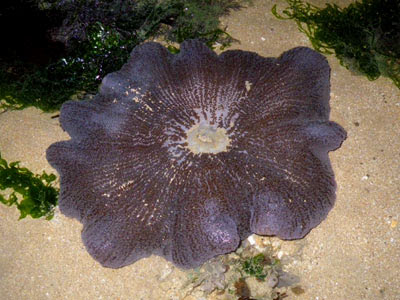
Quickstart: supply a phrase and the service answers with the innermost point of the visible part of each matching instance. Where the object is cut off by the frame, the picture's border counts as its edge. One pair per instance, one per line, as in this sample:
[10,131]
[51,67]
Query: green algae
[33,194]
[98,37]
[259,266]
[365,36]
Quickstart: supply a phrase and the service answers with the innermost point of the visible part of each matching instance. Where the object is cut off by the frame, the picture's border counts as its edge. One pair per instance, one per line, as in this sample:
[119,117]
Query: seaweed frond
[31,193]
[97,38]
[365,36]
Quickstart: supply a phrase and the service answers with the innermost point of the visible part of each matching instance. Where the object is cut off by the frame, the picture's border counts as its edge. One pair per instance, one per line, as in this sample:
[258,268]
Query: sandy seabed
[353,254]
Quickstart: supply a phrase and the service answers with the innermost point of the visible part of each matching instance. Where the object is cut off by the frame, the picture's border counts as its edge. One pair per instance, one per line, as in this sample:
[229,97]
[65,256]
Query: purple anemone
[186,155]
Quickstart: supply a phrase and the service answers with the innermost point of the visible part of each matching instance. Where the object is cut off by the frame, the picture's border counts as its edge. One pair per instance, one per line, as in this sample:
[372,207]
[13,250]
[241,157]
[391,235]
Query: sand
[353,254]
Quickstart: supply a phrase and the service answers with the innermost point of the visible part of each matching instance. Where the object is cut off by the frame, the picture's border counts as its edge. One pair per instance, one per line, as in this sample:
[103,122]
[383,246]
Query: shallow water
[353,254]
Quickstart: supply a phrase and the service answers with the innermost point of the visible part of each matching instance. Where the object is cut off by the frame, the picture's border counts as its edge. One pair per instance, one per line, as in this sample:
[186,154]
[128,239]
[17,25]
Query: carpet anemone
[185,155]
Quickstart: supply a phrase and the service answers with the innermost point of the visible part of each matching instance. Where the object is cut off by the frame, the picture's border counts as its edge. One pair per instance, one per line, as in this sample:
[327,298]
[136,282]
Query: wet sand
[353,254]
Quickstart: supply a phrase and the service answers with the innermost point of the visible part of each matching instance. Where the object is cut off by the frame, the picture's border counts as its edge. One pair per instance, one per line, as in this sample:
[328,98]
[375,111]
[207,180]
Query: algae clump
[31,193]
[365,36]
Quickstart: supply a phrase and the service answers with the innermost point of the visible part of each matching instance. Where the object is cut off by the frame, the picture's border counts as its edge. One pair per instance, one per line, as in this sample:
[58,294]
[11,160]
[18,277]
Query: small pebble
[251,240]
[272,280]
[393,224]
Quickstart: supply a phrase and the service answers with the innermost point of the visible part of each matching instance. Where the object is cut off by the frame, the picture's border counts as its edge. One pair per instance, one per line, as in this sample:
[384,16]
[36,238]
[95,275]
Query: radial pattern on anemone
[185,155]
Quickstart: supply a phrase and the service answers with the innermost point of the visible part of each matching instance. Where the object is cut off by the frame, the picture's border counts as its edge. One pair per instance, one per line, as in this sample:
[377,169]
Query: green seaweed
[31,193]
[259,266]
[99,36]
[365,36]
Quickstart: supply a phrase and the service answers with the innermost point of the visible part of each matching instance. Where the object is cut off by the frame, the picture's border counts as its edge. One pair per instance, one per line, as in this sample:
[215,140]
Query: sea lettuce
[365,36]
[33,194]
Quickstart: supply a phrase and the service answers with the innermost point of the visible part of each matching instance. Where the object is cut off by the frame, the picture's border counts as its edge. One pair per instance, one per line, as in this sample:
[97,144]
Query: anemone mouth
[207,138]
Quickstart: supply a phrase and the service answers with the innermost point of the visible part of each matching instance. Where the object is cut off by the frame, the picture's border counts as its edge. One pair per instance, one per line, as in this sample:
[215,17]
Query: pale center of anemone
[205,138]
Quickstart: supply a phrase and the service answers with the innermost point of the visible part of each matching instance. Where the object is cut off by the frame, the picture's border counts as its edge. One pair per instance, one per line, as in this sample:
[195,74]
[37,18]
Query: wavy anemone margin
[185,155]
